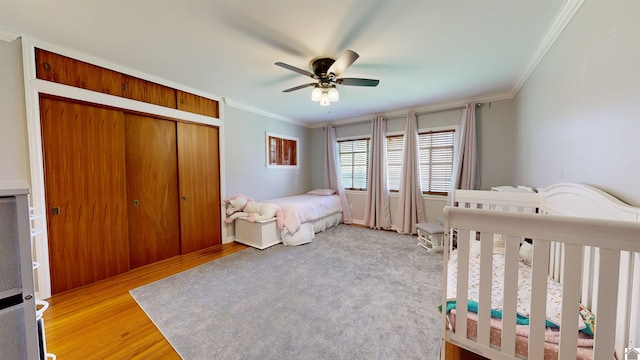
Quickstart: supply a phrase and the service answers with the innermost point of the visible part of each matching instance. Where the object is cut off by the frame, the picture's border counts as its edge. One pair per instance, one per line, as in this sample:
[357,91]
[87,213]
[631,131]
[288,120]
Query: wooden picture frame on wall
[281,151]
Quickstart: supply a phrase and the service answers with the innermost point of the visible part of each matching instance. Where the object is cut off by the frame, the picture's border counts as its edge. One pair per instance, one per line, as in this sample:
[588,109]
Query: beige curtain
[332,176]
[466,167]
[376,211]
[410,209]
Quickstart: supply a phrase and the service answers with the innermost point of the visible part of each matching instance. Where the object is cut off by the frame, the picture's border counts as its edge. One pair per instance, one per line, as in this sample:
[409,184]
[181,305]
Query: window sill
[395,194]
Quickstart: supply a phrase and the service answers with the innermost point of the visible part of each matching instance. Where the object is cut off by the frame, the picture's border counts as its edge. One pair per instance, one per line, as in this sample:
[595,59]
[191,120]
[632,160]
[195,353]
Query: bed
[538,273]
[300,217]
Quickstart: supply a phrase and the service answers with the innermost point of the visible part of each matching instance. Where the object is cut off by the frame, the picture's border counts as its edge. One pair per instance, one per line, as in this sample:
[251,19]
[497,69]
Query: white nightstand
[259,234]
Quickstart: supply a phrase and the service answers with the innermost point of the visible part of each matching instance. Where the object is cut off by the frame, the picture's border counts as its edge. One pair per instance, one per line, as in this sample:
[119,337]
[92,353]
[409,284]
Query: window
[395,144]
[354,161]
[436,161]
[282,151]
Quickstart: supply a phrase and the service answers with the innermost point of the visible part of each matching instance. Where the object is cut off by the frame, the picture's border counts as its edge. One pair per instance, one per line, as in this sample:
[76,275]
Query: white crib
[583,238]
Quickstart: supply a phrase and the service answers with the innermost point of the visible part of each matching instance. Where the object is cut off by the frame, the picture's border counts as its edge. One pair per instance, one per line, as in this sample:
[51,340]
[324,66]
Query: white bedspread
[300,209]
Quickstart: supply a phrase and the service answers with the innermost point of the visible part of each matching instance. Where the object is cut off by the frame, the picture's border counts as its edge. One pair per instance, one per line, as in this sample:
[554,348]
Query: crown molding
[8,35]
[245,107]
[562,19]
[451,105]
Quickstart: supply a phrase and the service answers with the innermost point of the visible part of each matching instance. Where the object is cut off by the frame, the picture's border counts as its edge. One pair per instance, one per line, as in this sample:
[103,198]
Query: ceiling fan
[326,72]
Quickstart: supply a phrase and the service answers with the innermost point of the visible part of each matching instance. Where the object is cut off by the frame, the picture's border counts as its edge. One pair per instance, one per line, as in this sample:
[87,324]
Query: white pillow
[526,252]
[322,192]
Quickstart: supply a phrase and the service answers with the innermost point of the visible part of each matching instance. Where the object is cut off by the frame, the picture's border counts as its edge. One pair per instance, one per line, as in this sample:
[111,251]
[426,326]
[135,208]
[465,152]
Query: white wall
[578,115]
[14,148]
[495,127]
[245,158]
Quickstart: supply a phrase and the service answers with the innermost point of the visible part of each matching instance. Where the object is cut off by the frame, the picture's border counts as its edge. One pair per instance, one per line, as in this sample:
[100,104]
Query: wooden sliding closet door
[152,187]
[199,174]
[85,187]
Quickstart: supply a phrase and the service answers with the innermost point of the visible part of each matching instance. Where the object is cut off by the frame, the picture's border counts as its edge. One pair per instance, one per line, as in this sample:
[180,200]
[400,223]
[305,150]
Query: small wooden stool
[431,236]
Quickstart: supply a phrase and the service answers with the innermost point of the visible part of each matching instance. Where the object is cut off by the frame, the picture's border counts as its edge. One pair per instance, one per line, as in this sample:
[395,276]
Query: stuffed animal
[243,207]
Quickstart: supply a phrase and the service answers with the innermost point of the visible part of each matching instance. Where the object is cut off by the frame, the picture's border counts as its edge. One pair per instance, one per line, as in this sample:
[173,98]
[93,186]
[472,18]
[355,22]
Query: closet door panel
[199,174]
[152,187]
[196,104]
[149,92]
[64,70]
[85,187]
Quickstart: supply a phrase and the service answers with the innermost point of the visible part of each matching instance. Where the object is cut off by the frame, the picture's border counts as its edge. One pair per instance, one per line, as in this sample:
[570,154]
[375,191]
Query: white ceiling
[424,53]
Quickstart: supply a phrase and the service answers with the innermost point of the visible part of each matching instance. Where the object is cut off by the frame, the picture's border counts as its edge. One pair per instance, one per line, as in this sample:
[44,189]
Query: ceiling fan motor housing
[320,66]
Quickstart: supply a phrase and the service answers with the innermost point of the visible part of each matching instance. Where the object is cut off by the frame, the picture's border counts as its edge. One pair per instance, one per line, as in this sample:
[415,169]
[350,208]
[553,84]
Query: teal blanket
[472,306]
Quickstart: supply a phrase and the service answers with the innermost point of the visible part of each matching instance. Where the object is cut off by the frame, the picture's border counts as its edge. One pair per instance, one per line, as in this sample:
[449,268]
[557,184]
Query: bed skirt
[307,230]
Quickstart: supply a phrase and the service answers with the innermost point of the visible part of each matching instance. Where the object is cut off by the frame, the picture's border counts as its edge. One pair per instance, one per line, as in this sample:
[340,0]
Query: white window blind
[395,144]
[354,161]
[436,161]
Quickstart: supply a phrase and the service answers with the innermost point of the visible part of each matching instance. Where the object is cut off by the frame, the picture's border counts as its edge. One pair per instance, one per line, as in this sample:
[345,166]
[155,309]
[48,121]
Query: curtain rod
[430,111]
[395,116]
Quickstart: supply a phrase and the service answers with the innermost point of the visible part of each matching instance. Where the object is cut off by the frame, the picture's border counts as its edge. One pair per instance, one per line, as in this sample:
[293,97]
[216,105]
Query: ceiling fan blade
[298,70]
[343,62]
[357,82]
[299,87]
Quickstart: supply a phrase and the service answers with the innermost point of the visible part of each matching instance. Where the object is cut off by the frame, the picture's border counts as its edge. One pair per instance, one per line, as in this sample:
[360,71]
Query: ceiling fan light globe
[334,95]
[316,94]
[324,99]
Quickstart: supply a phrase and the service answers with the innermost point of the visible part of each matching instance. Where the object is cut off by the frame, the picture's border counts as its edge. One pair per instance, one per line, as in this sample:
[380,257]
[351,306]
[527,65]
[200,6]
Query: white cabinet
[19,331]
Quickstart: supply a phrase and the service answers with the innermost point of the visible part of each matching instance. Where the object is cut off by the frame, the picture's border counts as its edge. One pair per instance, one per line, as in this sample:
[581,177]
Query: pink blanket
[551,337]
[295,210]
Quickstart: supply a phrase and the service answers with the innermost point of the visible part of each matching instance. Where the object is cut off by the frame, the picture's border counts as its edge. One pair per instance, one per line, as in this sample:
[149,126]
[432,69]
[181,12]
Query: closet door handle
[136,202]
[184,198]
[55,210]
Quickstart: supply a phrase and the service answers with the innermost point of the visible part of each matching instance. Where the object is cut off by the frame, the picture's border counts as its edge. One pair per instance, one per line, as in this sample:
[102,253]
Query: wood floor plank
[102,321]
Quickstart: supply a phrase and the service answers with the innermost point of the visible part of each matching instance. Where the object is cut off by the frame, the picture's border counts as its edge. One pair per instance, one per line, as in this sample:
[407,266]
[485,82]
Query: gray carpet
[353,293]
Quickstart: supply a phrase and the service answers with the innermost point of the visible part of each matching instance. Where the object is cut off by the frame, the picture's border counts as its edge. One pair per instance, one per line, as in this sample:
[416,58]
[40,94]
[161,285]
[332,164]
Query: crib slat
[634,303]
[595,278]
[554,266]
[624,300]
[462,286]
[539,270]
[587,276]
[484,296]
[572,266]
[605,312]
[510,296]
[559,248]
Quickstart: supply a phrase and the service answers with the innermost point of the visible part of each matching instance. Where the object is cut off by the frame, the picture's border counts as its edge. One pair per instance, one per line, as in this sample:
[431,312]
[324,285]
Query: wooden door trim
[121,103]
[125,110]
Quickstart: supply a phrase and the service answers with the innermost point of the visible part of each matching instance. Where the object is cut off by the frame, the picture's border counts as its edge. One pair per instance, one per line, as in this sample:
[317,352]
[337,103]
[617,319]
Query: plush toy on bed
[243,207]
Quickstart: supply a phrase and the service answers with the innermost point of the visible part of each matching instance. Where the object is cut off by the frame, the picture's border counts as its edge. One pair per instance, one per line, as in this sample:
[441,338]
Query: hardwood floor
[102,321]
